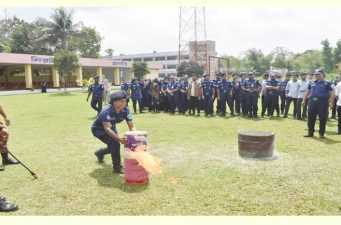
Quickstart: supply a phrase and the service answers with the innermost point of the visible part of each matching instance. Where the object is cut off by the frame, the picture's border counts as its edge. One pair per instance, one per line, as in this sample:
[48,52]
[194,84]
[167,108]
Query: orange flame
[149,162]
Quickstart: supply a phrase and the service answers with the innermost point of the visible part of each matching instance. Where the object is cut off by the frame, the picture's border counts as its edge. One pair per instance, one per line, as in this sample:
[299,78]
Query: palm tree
[60,29]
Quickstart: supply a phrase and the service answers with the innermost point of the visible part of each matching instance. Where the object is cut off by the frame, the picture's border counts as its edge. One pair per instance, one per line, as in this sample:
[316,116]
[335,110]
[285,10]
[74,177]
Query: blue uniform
[172,86]
[97,96]
[271,97]
[225,90]
[318,104]
[252,97]
[113,147]
[215,84]
[183,105]
[235,96]
[208,93]
[242,98]
[282,94]
[136,95]
[125,87]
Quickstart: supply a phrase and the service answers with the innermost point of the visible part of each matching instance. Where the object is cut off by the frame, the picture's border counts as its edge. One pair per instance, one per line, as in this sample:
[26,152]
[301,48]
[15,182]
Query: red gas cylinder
[134,174]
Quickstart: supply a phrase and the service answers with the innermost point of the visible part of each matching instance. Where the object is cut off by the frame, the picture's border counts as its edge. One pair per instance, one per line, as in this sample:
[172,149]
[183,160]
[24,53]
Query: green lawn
[202,172]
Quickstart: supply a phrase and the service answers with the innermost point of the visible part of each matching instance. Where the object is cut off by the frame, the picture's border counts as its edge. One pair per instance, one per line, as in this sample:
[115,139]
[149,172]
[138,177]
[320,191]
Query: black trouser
[139,100]
[236,101]
[194,104]
[271,102]
[283,102]
[208,105]
[165,103]
[252,103]
[287,106]
[334,108]
[96,104]
[113,148]
[317,106]
[183,103]
[339,117]
[172,103]
[225,98]
[218,104]
[242,100]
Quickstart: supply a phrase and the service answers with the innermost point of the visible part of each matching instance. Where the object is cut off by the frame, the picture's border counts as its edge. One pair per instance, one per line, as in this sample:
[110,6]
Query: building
[24,71]
[168,60]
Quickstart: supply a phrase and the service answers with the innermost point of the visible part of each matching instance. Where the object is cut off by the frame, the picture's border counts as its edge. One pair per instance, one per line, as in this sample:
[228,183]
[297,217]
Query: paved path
[52,90]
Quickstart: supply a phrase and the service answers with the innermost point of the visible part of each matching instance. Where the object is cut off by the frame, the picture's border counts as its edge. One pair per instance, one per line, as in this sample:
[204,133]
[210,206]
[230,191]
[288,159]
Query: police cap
[118,95]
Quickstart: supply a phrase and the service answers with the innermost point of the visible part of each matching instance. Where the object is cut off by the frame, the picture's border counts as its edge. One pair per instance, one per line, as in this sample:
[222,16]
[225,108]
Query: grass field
[202,172]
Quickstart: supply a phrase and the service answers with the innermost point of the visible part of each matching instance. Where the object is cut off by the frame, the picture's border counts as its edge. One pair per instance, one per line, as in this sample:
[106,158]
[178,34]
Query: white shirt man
[302,88]
[292,94]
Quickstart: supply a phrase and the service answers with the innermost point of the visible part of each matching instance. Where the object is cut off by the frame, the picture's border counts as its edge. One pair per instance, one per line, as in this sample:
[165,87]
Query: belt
[318,98]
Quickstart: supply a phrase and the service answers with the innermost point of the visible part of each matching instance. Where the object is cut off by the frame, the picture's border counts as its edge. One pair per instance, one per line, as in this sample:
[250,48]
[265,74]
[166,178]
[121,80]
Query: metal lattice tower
[192,35]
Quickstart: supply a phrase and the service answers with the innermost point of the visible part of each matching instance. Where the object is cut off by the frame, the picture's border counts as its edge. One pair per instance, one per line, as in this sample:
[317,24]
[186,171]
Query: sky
[143,30]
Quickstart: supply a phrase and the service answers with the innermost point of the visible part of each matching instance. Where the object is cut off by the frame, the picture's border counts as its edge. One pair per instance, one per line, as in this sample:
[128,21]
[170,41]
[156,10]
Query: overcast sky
[142,30]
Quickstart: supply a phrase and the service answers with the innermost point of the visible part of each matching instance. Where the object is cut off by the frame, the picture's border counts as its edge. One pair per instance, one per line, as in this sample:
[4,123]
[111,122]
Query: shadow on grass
[62,94]
[106,178]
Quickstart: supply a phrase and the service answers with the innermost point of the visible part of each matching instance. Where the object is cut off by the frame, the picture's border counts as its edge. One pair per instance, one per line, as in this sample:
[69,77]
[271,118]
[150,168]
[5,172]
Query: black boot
[119,170]
[2,199]
[1,169]
[6,160]
[7,207]
[99,156]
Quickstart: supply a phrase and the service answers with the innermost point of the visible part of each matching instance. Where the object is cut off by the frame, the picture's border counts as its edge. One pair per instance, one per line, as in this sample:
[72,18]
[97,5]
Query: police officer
[125,87]
[242,95]
[97,91]
[135,93]
[224,94]
[235,92]
[215,84]
[282,92]
[164,94]
[271,95]
[252,88]
[207,91]
[320,93]
[104,128]
[172,90]
[146,94]
[183,104]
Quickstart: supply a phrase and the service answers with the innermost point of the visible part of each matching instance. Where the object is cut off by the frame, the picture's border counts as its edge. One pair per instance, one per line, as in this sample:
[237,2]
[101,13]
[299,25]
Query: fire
[149,162]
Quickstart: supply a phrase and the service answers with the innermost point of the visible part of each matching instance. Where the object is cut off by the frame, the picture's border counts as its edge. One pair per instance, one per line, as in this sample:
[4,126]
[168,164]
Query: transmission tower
[192,35]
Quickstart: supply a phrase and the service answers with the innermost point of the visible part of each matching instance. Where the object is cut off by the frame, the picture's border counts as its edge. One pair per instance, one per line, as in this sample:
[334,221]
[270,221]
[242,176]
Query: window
[160,58]
[171,66]
[171,57]
[137,59]
[148,59]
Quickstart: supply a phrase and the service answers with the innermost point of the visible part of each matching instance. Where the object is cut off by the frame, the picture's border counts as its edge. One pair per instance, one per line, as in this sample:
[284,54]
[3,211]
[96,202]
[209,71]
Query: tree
[66,63]
[109,52]
[255,60]
[87,42]
[5,46]
[337,52]
[61,28]
[190,68]
[327,56]
[140,69]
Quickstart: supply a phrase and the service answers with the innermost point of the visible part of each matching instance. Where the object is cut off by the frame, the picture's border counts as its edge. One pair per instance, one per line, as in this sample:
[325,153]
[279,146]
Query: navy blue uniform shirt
[225,87]
[319,88]
[97,90]
[251,84]
[135,90]
[207,87]
[109,115]
[273,83]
